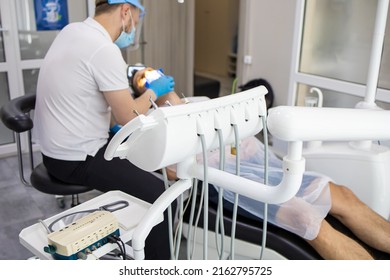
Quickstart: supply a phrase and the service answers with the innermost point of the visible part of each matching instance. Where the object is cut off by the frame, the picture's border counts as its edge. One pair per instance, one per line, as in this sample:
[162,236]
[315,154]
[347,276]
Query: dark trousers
[120,175]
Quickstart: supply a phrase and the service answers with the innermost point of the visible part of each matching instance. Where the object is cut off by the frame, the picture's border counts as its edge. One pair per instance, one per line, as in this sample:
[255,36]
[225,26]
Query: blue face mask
[125,39]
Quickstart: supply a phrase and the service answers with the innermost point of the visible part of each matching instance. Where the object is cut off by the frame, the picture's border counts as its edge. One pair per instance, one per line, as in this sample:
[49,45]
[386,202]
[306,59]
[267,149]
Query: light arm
[328,124]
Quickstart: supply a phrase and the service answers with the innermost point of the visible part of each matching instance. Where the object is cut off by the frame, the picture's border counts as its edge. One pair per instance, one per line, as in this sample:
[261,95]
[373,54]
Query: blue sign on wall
[51,14]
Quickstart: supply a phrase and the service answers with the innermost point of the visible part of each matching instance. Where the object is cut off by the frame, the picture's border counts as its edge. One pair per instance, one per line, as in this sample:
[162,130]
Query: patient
[138,84]
[305,214]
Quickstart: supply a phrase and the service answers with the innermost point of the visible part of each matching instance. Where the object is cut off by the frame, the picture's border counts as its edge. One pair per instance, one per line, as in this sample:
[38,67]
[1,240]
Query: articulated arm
[328,124]
[153,215]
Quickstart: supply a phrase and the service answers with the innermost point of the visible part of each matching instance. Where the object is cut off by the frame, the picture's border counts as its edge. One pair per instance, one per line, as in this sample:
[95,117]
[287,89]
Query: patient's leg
[333,245]
[299,217]
[366,224]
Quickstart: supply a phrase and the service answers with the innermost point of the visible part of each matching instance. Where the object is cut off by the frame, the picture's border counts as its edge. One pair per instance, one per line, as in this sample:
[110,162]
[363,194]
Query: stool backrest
[15,113]
[16,116]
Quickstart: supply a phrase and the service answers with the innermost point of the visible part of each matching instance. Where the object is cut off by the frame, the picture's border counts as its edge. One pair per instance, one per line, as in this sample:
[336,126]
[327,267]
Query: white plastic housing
[169,135]
[328,124]
[361,166]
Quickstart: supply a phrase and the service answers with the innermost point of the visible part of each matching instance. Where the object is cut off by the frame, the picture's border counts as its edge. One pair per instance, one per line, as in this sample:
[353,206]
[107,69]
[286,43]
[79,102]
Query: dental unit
[181,128]
[185,131]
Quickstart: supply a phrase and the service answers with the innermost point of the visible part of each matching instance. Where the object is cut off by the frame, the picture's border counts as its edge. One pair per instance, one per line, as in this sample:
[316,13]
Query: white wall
[268,26]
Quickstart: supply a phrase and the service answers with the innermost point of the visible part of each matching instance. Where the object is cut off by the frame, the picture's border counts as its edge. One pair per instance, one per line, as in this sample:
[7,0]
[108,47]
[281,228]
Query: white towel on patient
[302,214]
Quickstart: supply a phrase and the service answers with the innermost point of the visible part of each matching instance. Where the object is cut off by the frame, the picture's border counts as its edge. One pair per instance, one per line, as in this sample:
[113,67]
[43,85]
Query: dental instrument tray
[83,236]
[121,222]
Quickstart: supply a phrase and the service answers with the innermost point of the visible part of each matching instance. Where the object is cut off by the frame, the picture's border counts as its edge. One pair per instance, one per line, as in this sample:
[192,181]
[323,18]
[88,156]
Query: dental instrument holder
[34,238]
[178,128]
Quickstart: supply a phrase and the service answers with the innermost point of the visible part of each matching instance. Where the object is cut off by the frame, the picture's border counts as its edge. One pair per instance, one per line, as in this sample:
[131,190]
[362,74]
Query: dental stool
[16,116]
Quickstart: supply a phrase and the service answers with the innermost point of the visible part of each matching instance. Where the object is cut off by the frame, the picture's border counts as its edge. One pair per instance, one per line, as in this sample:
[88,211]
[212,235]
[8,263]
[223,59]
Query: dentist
[82,82]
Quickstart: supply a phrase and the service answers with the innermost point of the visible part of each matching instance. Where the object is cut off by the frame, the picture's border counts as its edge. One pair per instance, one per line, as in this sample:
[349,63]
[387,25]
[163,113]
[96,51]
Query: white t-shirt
[71,114]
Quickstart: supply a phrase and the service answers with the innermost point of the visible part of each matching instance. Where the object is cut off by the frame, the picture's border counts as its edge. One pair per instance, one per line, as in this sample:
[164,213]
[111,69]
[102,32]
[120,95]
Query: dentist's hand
[162,85]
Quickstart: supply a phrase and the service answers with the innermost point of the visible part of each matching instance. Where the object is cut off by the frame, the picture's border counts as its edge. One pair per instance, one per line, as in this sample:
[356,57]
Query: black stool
[16,116]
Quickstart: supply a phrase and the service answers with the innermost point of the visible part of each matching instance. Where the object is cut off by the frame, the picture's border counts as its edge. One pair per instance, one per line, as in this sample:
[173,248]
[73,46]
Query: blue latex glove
[115,128]
[162,85]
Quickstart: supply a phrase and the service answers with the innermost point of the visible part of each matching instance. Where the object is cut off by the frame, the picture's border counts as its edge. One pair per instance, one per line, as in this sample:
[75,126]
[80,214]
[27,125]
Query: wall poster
[51,14]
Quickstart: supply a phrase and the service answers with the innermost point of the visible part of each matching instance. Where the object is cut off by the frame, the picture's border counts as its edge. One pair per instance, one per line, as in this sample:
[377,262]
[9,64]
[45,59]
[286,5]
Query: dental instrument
[154,105]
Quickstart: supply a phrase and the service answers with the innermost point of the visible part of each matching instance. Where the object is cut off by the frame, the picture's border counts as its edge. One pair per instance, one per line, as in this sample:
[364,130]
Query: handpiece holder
[170,135]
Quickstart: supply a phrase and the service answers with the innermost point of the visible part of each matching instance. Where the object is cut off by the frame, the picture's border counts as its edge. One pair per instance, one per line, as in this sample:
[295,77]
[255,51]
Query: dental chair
[281,244]
[16,116]
[198,124]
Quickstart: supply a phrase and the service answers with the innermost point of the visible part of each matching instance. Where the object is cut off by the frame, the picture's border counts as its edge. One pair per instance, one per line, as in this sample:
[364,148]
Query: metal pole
[376,52]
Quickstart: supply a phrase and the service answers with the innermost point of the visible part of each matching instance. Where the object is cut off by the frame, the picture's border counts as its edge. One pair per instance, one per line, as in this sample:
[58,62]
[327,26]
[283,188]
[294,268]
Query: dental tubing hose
[170,224]
[191,234]
[179,228]
[206,197]
[174,237]
[219,217]
[235,205]
[265,215]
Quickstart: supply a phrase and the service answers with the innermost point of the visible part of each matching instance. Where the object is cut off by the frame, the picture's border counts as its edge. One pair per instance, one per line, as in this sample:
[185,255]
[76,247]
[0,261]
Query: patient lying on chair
[305,214]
